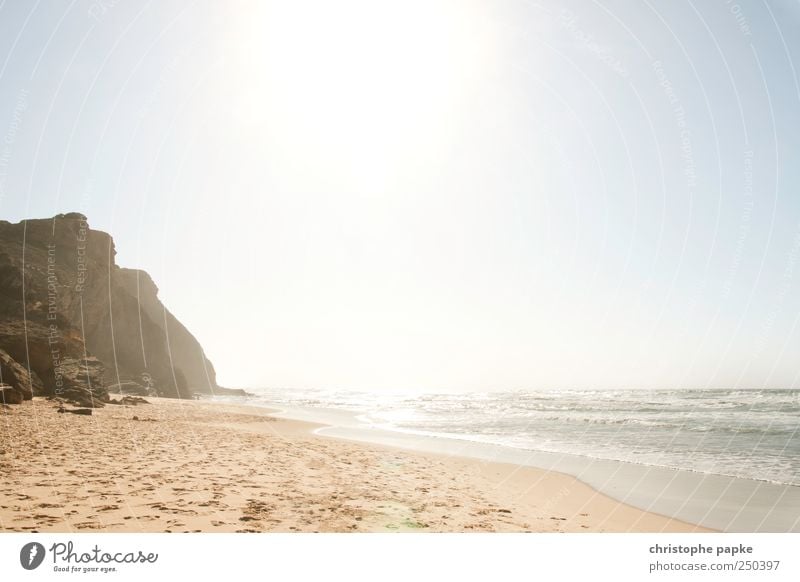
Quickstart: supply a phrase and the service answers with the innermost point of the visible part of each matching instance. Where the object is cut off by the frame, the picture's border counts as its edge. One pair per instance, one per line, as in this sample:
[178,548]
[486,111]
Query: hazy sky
[430,194]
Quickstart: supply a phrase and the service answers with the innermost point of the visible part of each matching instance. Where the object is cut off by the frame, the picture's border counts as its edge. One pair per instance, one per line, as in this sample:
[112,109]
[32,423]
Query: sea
[750,434]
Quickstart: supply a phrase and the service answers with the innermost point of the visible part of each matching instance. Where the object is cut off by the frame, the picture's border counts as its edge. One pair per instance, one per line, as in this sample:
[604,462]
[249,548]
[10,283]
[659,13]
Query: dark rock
[41,349]
[81,411]
[129,401]
[219,390]
[81,382]
[82,397]
[129,388]
[10,395]
[17,375]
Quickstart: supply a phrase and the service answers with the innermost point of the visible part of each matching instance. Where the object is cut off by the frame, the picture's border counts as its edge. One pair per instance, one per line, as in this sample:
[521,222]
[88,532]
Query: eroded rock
[10,395]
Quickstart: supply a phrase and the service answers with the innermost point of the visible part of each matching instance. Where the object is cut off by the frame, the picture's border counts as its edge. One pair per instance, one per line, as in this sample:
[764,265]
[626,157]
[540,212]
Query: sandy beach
[199,466]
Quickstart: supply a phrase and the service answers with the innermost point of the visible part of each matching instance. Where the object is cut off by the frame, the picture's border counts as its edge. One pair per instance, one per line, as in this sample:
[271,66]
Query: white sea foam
[742,433]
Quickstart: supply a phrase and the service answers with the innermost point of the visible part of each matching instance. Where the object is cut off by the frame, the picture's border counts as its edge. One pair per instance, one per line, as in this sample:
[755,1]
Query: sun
[358,84]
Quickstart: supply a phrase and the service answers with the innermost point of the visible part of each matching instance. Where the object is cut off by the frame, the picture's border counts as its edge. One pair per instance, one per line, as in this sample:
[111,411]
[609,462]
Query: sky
[430,194]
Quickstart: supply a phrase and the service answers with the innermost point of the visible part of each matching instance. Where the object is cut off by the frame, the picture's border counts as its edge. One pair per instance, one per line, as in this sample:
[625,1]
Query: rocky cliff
[74,324]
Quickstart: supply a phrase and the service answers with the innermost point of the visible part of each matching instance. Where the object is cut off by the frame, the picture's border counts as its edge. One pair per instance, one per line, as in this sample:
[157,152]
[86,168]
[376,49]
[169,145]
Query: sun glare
[365,85]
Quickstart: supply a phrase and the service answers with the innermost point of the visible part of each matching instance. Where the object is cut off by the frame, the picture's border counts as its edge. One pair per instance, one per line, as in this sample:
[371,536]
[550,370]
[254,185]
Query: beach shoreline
[714,499]
[199,466]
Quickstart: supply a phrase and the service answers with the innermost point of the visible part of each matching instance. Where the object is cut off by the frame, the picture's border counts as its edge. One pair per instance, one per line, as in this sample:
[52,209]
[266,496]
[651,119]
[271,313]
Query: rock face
[9,394]
[78,322]
[18,377]
[82,381]
[129,388]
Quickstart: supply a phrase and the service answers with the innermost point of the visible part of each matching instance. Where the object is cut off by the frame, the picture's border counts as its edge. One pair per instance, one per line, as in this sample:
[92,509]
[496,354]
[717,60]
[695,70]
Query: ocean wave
[745,433]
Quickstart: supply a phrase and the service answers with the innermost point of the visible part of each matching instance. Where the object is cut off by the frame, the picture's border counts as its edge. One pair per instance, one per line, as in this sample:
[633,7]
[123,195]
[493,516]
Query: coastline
[194,466]
[715,501]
